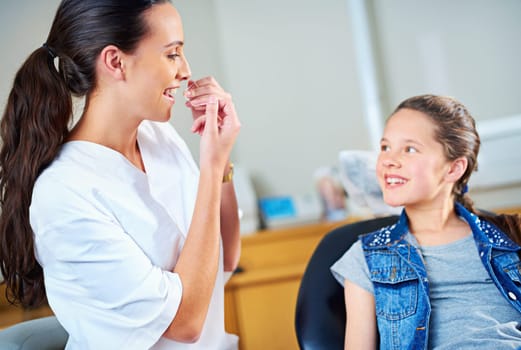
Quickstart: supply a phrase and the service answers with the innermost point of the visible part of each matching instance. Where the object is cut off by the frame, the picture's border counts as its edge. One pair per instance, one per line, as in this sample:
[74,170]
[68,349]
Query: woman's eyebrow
[175,43]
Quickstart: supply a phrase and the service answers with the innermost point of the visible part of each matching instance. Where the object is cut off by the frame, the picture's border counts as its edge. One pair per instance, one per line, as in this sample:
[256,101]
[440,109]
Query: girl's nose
[389,160]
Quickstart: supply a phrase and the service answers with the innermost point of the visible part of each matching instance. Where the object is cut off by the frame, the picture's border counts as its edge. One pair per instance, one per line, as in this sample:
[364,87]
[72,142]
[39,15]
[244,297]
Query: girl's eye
[410,149]
[384,148]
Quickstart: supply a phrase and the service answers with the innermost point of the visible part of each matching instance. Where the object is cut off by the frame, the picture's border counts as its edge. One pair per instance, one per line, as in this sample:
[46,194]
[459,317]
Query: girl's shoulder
[382,237]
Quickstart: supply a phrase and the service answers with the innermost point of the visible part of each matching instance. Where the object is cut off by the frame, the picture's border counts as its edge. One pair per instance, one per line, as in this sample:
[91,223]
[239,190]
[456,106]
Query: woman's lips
[170,93]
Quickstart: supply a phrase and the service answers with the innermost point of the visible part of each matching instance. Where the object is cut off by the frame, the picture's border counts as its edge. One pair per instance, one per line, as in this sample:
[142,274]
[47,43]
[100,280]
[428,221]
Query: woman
[111,218]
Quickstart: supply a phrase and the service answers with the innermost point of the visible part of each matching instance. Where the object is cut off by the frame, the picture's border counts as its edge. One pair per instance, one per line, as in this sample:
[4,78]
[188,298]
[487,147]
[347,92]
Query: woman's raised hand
[215,119]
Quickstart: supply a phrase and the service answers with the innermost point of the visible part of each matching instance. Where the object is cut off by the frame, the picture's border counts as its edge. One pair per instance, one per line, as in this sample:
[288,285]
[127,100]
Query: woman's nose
[184,73]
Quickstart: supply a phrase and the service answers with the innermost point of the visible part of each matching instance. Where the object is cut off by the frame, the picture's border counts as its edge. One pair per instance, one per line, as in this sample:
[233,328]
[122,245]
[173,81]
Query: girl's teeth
[393,180]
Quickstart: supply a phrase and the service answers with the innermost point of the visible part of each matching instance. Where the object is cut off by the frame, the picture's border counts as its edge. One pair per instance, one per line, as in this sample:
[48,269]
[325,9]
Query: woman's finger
[195,92]
[198,125]
[204,81]
[199,103]
[211,115]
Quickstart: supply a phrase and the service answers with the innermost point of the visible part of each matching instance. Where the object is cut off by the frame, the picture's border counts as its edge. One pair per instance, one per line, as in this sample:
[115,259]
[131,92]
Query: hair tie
[50,50]
[465,189]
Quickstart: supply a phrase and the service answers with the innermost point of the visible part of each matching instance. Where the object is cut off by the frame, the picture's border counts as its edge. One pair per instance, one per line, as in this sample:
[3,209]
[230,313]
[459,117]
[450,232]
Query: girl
[112,218]
[445,276]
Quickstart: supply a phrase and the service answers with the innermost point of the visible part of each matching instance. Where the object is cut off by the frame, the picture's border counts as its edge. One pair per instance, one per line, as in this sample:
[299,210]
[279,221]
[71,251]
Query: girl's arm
[361,329]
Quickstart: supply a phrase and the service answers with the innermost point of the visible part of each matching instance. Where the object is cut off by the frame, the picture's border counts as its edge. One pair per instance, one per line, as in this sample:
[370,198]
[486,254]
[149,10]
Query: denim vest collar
[484,232]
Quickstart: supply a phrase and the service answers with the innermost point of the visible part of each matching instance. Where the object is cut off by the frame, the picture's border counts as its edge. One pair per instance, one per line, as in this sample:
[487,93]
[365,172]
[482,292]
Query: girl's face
[158,66]
[411,167]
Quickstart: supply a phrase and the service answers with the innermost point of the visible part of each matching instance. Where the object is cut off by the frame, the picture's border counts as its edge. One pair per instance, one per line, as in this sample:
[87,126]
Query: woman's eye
[174,56]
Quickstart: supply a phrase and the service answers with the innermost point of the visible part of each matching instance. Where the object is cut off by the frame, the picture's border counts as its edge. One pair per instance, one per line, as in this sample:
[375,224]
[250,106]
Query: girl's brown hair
[38,115]
[456,132]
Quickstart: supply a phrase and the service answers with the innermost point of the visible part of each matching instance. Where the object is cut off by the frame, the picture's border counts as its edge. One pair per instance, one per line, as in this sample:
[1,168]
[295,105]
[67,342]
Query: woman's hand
[215,119]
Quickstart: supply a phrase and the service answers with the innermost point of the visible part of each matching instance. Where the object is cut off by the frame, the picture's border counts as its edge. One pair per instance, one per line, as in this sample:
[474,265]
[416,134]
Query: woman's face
[156,69]
[411,166]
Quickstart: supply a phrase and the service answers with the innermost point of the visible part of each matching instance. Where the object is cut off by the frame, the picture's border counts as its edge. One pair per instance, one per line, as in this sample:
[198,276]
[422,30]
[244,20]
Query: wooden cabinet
[260,301]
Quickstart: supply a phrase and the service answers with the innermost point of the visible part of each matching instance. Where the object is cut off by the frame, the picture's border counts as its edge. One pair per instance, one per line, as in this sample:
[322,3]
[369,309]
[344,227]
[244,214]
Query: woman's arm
[216,121]
[361,328]
[230,228]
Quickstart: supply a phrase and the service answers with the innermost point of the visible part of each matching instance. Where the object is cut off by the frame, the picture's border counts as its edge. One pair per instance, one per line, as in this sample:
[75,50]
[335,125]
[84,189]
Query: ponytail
[33,127]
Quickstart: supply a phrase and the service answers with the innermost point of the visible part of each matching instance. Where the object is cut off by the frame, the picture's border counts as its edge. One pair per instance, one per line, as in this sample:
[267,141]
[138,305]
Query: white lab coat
[108,237]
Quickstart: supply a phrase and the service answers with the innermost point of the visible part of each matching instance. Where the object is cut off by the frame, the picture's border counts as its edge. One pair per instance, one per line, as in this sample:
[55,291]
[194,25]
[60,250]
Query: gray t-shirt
[468,311]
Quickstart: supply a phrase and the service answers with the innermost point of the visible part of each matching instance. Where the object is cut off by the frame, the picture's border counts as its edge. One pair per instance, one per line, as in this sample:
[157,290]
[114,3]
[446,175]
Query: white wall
[468,49]
[291,68]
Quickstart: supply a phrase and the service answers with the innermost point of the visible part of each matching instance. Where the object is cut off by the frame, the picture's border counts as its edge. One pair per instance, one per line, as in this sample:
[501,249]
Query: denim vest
[401,285]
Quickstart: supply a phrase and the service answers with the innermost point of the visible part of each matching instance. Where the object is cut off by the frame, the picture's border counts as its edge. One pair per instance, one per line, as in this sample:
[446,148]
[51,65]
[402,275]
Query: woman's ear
[110,62]
[456,169]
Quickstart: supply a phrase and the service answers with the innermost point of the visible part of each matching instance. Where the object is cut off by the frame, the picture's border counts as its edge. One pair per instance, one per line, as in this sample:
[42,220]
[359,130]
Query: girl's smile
[393,181]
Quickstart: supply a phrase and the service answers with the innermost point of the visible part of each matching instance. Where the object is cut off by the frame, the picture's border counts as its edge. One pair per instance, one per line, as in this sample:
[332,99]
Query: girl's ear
[456,170]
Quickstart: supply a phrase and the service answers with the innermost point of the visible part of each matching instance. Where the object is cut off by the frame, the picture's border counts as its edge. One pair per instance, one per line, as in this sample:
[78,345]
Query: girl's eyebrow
[413,141]
[383,139]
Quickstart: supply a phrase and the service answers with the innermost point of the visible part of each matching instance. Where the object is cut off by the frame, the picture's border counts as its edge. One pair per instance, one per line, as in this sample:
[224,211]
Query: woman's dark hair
[38,115]
[456,132]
